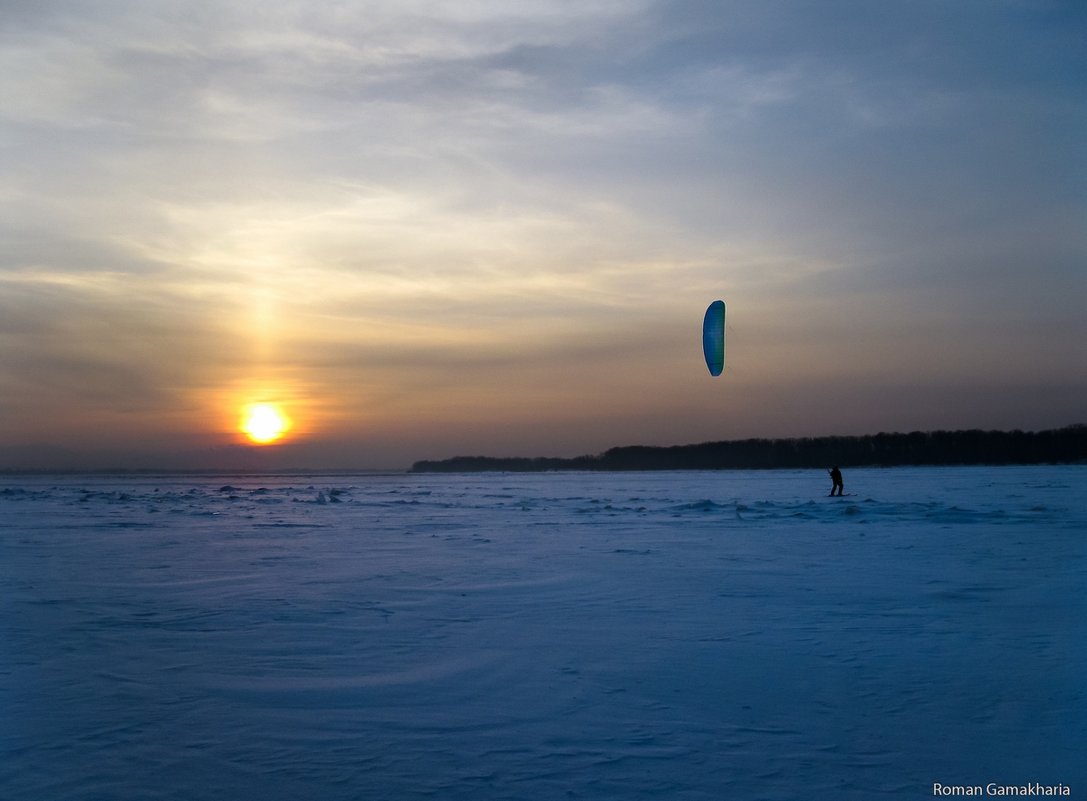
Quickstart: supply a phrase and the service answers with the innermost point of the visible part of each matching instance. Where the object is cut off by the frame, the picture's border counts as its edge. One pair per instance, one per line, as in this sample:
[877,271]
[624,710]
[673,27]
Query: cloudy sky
[430,228]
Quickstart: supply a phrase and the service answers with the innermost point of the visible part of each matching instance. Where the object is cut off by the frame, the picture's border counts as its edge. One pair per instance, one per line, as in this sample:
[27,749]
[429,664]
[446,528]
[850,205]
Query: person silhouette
[836,476]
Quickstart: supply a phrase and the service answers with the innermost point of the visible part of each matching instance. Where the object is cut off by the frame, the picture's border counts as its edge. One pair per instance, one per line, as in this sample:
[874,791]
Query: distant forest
[1063,445]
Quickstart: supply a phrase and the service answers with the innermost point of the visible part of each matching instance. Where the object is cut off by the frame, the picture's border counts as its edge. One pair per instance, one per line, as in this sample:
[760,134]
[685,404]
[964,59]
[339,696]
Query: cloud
[431,210]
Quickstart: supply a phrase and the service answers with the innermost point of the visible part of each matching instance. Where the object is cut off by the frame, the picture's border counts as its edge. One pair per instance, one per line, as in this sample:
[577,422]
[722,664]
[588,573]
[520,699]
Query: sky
[424,229]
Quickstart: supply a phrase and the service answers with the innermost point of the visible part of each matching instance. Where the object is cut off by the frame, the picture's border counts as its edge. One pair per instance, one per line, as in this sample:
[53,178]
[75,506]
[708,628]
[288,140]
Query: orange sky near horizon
[469,231]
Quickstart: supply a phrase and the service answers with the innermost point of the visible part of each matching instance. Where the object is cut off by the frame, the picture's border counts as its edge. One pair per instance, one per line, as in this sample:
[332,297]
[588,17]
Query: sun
[264,423]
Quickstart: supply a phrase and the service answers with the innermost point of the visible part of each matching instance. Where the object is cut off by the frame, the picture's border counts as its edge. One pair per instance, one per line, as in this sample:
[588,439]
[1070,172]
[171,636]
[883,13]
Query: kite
[713,337]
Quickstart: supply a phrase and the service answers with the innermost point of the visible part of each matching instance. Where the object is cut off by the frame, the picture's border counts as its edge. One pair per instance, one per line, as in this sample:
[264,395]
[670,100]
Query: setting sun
[264,423]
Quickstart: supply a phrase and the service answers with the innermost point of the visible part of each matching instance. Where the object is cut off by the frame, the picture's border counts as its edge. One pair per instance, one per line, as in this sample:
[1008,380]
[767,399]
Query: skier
[836,477]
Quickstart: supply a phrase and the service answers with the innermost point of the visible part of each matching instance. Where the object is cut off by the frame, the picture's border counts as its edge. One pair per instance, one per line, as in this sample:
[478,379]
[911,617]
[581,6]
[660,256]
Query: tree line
[972,447]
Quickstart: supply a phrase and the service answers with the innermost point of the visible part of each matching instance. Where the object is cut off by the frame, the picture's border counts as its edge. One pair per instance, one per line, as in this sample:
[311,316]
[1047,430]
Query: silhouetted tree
[1063,445]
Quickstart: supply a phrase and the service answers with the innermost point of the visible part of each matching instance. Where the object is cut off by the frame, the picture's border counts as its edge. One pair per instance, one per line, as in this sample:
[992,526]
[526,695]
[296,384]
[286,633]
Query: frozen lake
[732,635]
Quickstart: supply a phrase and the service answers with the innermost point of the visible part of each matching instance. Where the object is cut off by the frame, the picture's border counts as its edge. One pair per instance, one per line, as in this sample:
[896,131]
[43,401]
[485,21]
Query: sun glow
[264,423]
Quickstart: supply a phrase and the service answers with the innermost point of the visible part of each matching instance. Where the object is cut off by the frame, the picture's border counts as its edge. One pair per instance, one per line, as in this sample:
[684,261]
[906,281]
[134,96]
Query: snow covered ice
[731,635]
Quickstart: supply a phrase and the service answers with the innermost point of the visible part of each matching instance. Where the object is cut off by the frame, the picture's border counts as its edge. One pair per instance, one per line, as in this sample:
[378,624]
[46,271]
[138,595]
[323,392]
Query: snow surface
[732,635]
